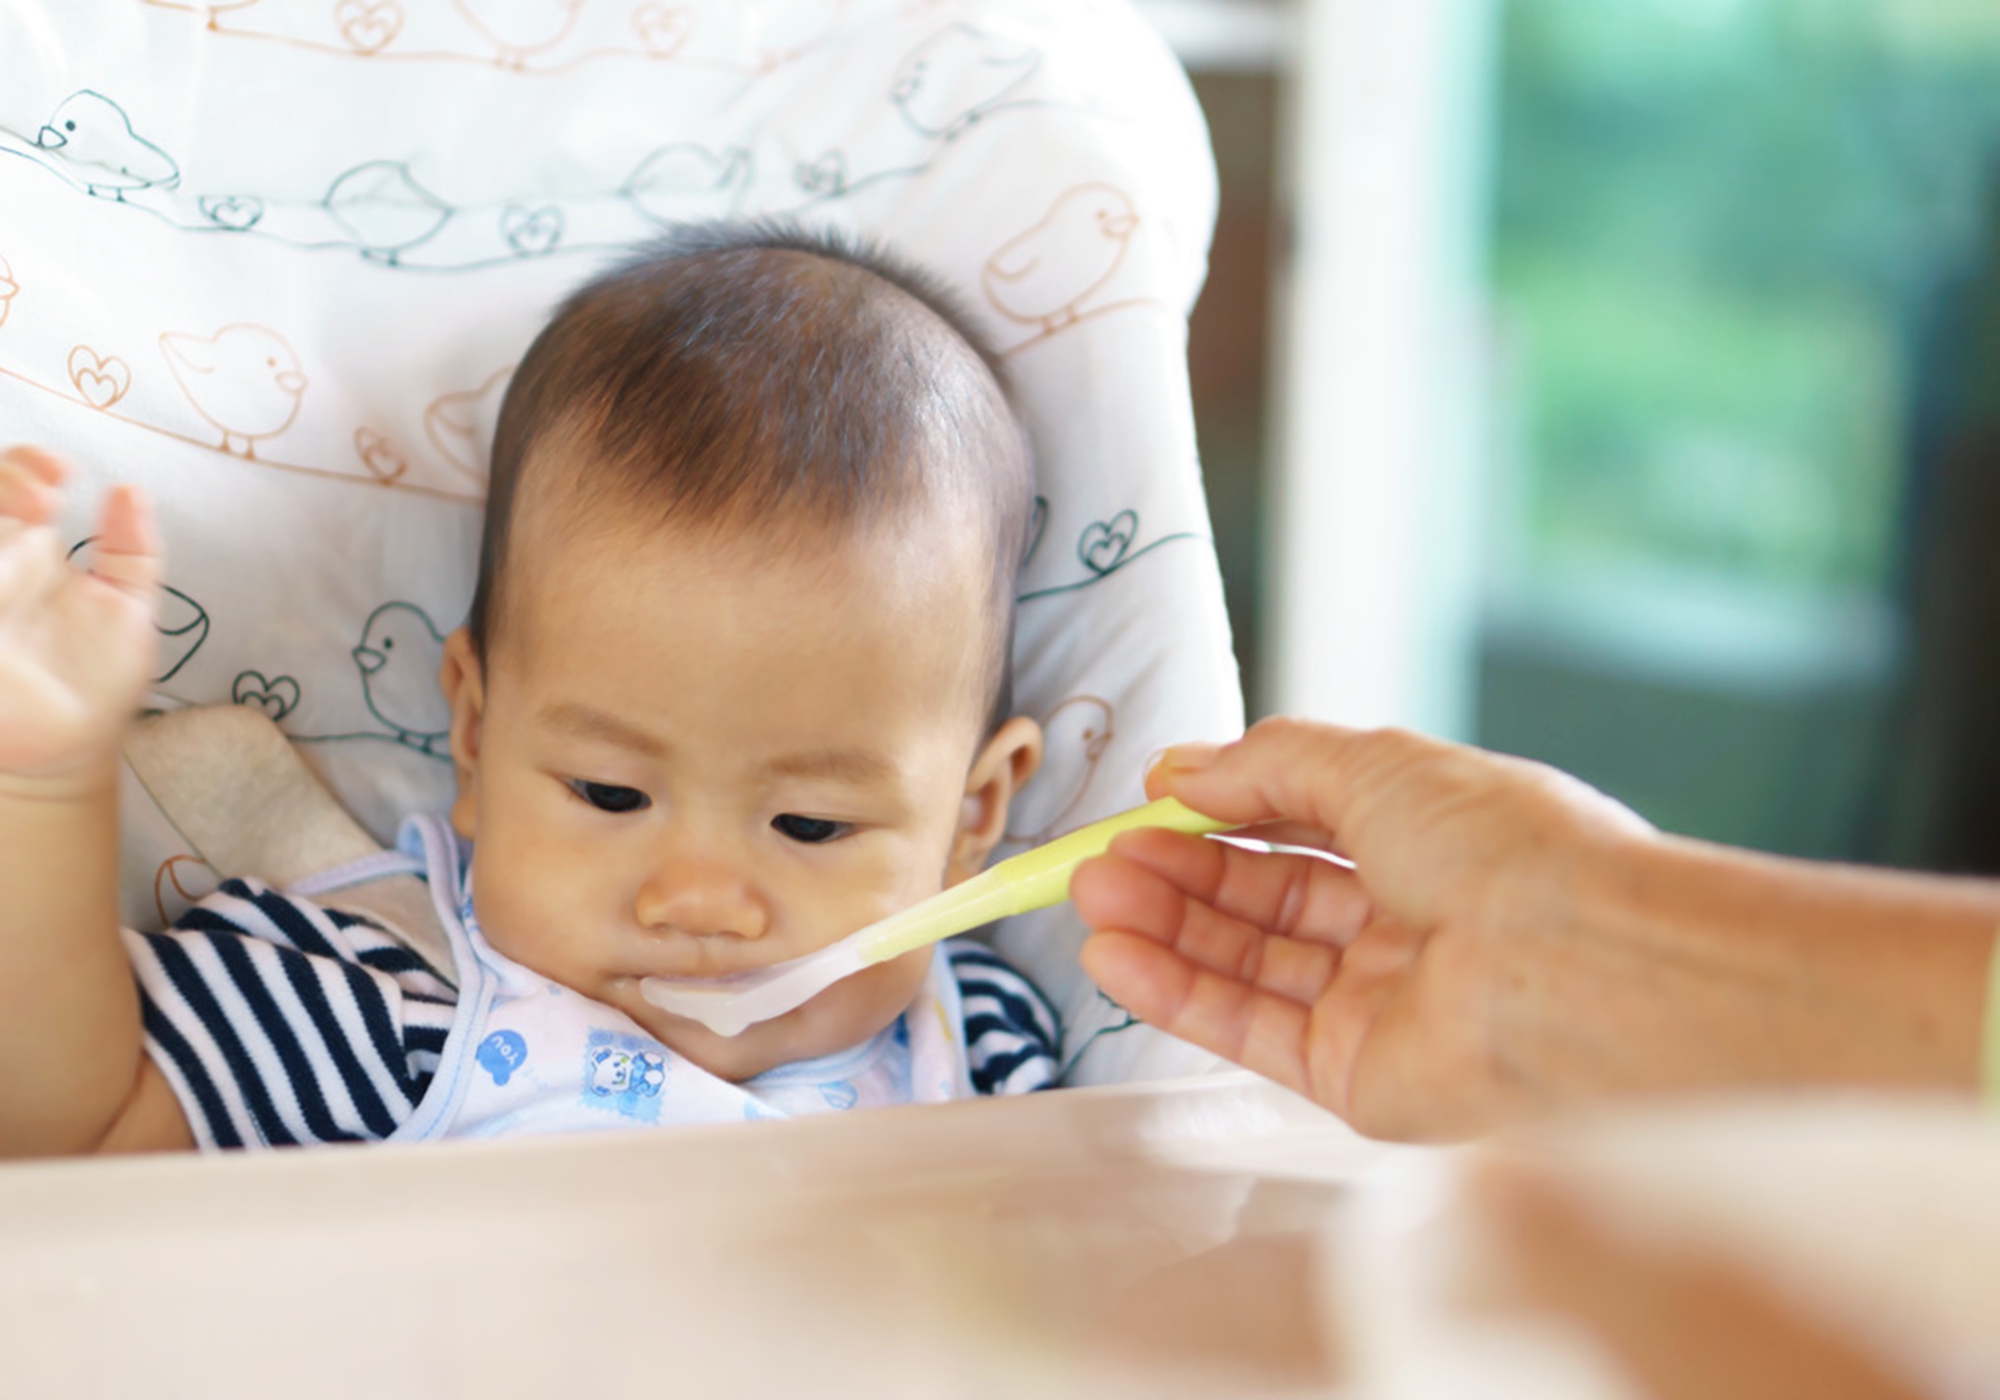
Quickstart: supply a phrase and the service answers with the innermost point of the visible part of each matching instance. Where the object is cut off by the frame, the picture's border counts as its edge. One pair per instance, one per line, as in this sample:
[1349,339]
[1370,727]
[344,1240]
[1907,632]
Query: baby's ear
[1006,762]
[464,682]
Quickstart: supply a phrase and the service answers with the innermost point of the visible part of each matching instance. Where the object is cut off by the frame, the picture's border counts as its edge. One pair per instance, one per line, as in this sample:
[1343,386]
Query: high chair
[275,261]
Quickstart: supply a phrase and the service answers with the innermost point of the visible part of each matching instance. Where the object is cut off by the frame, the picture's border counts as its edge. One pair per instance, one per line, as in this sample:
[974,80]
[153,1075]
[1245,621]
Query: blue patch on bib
[501,1053]
[624,1074]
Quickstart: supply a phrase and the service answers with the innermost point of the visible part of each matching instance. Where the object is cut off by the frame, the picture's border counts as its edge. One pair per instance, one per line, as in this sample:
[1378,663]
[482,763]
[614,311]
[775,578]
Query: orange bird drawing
[244,380]
[1043,275]
[1075,736]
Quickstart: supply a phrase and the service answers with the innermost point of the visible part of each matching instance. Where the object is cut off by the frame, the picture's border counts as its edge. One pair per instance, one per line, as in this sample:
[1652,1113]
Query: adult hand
[1509,940]
[1369,989]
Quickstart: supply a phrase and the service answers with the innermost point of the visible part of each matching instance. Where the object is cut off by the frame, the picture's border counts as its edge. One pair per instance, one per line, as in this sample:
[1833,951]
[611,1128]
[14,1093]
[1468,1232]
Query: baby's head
[735,682]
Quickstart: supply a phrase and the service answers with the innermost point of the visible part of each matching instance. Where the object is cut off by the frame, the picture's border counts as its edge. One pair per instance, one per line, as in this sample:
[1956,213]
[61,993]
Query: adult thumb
[1283,770]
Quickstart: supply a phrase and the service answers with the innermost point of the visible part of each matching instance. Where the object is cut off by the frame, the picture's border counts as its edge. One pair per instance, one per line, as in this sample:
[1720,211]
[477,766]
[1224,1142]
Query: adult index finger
[1302,771]
[1296,896]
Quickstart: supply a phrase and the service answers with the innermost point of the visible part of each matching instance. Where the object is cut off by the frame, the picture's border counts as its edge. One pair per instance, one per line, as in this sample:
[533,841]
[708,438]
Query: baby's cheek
[903,978]
[526,914]
[850,1011]
[868,1001]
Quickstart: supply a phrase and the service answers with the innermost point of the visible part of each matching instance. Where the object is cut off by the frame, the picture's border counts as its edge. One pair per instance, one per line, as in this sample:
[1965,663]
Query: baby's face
[688,757]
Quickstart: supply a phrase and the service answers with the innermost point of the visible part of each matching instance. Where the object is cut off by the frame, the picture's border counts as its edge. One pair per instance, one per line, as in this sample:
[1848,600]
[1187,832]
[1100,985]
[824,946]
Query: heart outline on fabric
[663,29]
[102,380]
[379,455]
[1105,543]
[531,232]
[369,26]
[240,212]
[277,696]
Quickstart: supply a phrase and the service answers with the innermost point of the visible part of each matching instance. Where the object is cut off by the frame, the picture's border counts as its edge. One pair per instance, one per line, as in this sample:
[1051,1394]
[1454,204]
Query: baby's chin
[843,1016]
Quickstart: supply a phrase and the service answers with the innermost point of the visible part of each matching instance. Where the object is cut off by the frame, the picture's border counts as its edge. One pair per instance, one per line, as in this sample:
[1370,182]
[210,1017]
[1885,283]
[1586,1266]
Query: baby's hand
[75,647]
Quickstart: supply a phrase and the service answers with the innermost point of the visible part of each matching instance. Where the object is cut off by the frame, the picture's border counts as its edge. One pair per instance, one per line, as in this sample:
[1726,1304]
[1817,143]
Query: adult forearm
[1694,966]
[69,1017]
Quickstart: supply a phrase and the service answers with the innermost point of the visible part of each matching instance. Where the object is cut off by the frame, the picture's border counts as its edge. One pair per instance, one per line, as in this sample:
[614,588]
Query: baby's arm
[75,651]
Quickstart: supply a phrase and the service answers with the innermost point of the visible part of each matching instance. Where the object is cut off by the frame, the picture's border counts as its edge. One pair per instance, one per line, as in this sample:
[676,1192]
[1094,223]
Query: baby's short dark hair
[759,375]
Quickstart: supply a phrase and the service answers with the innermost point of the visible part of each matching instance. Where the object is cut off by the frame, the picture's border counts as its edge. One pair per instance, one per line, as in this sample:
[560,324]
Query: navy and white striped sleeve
[281,1023]
[1013,1041]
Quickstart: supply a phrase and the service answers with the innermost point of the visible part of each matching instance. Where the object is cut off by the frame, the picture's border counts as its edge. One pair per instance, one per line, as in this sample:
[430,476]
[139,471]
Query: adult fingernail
[1189,758]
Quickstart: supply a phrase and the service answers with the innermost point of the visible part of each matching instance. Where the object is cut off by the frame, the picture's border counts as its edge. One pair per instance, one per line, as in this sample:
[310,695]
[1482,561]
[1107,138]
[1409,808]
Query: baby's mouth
[698,959]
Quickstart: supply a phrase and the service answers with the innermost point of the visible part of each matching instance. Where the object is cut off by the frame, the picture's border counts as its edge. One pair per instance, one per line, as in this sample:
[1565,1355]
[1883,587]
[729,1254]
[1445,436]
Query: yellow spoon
[1033,880]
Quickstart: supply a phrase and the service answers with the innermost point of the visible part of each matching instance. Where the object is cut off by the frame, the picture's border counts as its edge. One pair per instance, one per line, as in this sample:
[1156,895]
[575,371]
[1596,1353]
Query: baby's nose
[705,897]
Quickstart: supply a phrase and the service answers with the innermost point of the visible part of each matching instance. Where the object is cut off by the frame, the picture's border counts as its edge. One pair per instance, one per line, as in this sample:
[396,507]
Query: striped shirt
[282,1022]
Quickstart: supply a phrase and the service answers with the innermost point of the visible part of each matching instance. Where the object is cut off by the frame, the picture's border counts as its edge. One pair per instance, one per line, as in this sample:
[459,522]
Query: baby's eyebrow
[840,765]
[583,722]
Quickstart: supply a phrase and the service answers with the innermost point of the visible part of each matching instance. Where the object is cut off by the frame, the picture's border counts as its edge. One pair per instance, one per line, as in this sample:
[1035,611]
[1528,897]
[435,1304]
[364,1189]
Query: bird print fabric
[91,134]
[1048,274]
[399,655]
[244,380]
[276,262]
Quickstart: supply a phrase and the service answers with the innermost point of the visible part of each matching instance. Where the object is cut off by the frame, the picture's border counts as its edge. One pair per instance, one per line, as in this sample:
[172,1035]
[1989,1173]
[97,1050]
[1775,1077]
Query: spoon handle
[1032,880]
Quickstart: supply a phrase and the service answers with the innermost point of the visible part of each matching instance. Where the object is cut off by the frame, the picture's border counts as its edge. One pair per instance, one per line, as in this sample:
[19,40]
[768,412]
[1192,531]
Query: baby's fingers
[127,553]
[30,482]
[31,568]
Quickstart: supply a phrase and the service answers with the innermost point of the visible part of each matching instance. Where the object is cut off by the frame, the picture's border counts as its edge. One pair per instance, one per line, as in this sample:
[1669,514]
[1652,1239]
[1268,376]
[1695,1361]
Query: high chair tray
[1145,1240]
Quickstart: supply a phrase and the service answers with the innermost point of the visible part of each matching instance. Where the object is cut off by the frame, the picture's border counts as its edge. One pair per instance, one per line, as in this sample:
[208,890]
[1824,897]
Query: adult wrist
[1697,967]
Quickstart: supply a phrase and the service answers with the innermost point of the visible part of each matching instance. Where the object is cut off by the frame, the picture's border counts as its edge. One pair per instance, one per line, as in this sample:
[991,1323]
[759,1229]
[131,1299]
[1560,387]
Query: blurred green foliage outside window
[1716,219]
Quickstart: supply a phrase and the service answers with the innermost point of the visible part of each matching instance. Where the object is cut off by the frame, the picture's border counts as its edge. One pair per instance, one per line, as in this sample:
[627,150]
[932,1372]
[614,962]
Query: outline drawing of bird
[204,877]
[955,77]
[399,656]
[244,380]
[1043,275]
[183,625]
[461,424]
[1075,736]
[386,210]
[92,133]
[685,181]
[520,29]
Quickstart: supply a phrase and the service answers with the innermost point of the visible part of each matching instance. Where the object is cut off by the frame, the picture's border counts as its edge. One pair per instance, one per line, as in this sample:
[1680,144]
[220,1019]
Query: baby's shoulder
[1013,1038]
[247,909]
[279,1020]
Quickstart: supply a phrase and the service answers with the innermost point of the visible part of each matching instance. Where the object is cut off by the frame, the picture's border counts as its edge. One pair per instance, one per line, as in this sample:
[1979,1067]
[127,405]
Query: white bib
[527,1055]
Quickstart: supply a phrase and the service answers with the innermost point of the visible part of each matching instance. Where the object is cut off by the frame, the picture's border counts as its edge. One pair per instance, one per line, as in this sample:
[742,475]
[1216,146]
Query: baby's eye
[607,797]
[812,831]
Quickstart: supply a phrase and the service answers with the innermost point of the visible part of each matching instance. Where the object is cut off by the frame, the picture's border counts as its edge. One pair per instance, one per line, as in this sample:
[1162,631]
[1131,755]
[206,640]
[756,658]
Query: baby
[735,683]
